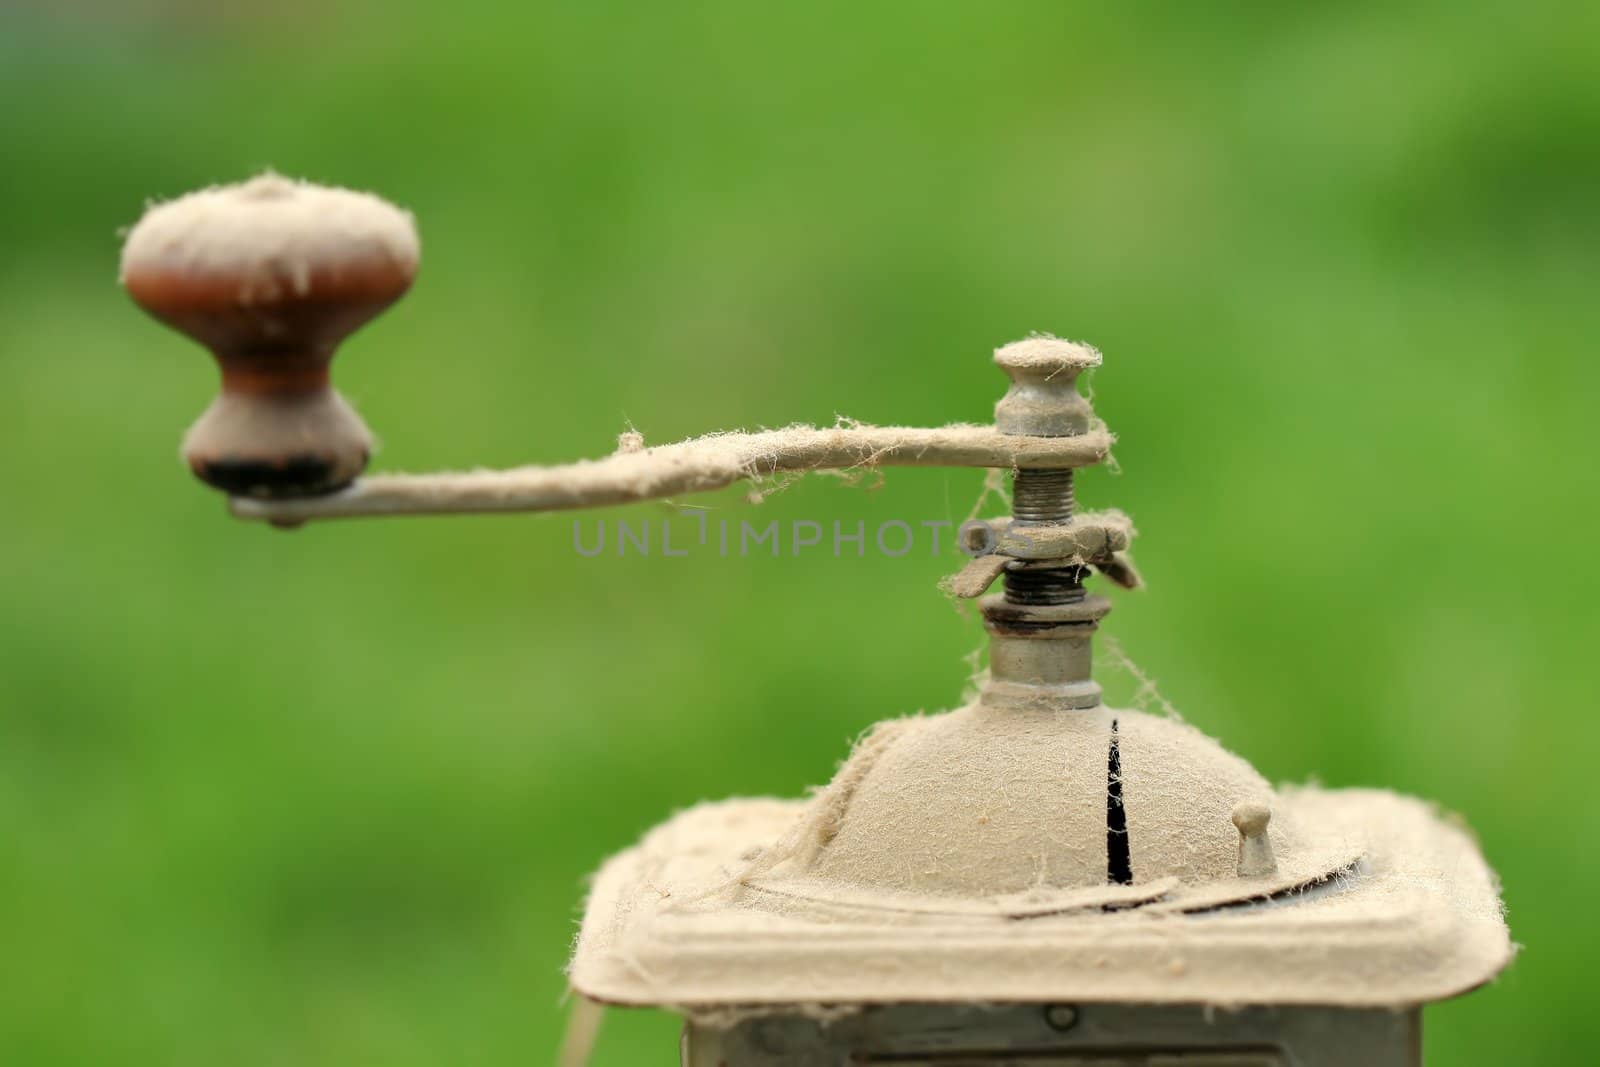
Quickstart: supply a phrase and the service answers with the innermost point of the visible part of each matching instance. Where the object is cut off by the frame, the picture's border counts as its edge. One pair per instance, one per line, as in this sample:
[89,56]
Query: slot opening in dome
[1119,858]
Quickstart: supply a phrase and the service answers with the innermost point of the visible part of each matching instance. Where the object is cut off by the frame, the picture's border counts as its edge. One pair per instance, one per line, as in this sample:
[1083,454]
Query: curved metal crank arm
[702,464]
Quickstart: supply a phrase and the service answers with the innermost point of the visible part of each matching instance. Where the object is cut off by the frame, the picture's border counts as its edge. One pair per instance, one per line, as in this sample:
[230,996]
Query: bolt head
[1043,400]
[1061,1016]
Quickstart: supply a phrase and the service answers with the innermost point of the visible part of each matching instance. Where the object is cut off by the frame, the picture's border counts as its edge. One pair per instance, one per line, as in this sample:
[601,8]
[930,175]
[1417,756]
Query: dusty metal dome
[1014,811]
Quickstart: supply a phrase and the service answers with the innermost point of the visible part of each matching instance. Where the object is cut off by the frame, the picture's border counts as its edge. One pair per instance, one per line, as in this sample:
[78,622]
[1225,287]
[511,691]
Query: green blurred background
[332,797]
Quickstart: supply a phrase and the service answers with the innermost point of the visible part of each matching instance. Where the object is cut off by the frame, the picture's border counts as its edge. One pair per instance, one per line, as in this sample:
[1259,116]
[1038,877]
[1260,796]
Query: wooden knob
[271,275]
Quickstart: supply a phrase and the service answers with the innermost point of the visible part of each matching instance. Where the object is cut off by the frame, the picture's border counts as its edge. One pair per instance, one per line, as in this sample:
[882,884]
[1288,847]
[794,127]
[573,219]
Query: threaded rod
[1041,497]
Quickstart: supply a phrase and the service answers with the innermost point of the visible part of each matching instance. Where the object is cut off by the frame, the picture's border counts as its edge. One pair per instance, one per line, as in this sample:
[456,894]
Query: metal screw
[1044,401]
[1061,1016]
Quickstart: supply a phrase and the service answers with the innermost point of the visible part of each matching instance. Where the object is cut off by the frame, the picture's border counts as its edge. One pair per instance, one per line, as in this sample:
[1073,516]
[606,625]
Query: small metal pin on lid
[1255,850]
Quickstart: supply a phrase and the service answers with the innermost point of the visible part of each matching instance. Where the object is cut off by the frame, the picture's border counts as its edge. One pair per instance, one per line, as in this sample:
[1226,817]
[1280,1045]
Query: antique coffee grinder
[1033,880]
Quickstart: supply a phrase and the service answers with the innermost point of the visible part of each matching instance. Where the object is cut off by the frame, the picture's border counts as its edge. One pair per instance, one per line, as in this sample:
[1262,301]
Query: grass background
[331,797]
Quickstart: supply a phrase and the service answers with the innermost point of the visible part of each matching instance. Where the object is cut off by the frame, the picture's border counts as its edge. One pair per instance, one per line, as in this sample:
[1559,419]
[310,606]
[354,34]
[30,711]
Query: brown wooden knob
[271,275]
